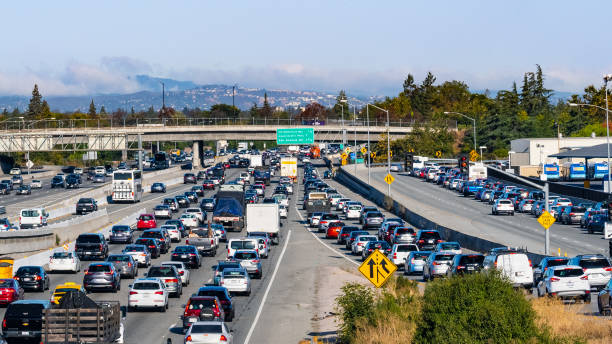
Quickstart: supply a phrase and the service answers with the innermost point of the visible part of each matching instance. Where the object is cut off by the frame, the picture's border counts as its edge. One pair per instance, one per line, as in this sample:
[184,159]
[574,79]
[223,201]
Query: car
[513,264]
[121,234]
[544,264]
[466,264]
[187,254]
[427,239]
[399,253]
[146,221]
[98,178]
[158,187]
[222,265]
[353,211]
[449,246]
[182,269]
[64,261]
[173,232]
[15,171]
[525,205]
[208,184]
[236,280]
[17,180]
[191,196]
[91,246]
[86,205]
[360,242]
[415,261]
[437,264]
[282,211]
[24,190]
[208,332]
[124,264]
[250,261]
[36,184]
[198,189]
[596,266]
[170,276]
[179,225]
[58,182]
[183,202]
[62,289]
[32,278]
[172,203]
[102,276]
[503,206]
[190,178]
[198,213]
[200,308]
[162,211]
[314,219]
[333,229]
[565,281]
[604,300]
[344,233]
[572,215]
[373,219]
[208,204]
[351,237]
[148,292]
[15,329]
[140,253]
[264,243]
[402,235]
[562,202]
[382,246]
[224,297]
[325,219]
[153,246]
[189,220]
[162,237]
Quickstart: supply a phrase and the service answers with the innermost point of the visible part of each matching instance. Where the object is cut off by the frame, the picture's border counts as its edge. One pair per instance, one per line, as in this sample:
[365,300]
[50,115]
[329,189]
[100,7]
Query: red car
[10,291]
[197,304]
[208,185]
[333,229]
[146,221]
[226,165]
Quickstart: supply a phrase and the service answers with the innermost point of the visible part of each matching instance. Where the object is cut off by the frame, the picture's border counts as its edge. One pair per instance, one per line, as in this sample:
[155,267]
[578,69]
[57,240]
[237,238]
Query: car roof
[44,303]
[147,279]
[568,266]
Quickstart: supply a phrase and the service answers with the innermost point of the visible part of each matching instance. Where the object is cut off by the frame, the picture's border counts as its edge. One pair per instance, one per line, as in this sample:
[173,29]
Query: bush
[478,308]
[356,302]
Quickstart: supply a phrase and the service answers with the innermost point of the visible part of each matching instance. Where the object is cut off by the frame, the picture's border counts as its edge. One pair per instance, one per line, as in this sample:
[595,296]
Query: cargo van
[33,218]
[516,266]
[241,244]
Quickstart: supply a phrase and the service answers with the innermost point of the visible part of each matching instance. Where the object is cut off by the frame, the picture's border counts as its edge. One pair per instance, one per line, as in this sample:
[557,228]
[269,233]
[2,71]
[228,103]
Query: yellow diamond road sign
[546,220]
[343,156]
[389,179]
[377,268]
[363,150]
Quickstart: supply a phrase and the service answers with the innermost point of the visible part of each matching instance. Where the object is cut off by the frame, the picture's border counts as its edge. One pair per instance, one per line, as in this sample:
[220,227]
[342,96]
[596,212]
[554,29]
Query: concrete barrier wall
[418,221]
[69,230]
[26,240]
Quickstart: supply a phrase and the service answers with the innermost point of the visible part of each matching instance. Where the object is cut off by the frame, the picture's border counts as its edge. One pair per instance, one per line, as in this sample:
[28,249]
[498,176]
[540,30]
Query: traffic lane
[521,227]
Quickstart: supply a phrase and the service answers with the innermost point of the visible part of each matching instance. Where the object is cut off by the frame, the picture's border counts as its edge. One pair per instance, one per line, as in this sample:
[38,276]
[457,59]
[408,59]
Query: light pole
[369,152]
[481,148]
[343,100]
[388,147]
[509,154]
[355,138]
[468,117]
[541,158]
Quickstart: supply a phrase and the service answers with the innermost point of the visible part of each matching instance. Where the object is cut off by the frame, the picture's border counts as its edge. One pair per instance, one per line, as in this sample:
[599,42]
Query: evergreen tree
[15,112]
[35,106]
[46,110]
[266,109]
[340,105]
[409,86]
[92,113]
[102,110]
[254,111]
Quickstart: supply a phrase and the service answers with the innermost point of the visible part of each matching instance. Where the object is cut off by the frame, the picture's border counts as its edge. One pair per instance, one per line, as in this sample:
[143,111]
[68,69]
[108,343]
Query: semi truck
[264,217]
[229,209]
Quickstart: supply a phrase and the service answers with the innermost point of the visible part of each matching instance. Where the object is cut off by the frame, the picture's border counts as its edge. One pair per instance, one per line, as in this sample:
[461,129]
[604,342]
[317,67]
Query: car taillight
[172,280]
[554,279]
[436,263]
[421,241]
[394,255]
[108,273]
[530,263]
[609,268]
[175,255]
[38,278]
[133,292]
[223,338]
[159,293]
[129,264]
[181,273]
[585,277]
[101,247]
[188,338]
[255,260]
[459,267]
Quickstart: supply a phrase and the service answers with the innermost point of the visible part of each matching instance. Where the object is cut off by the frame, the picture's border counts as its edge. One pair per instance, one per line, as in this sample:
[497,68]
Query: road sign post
[389,179]
[377,268]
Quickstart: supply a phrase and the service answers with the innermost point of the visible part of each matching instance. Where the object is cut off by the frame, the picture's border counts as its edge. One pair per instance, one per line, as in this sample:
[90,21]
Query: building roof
[597,151]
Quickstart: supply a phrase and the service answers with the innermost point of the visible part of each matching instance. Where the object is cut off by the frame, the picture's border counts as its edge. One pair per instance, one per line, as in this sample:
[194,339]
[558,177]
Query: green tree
[340,106]
[5,113]
[46,110]
[254,110]
[102,110]
[92,113]
[35,105]
[266,109]
[15,112]
[223,110]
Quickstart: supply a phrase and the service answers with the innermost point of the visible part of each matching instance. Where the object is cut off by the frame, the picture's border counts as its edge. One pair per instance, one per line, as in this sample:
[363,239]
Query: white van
[513,265]
[241,244]
[33,218]
[100,170]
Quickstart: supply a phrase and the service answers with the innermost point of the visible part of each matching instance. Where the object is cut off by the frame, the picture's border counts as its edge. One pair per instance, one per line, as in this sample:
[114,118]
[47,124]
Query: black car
[73,181]
[86,205]
[190,178]
[380,245]
[152,245]
[201,175]
[121,234]
[159,235]
[91,246]
[198,189]
[32,278]
[187,254]
[4,189]
[178,225]
[465,264]
[158,187]
[23,320]
[24,190]
[223,295]
[183,202]
[191,196]
[427,240]
[58,182]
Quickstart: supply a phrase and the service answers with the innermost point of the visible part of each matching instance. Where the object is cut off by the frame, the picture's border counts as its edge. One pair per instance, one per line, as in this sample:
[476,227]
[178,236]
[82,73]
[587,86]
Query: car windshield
[146,217]
[444,257]
[206,328]
[450,246]
[99,268]
[233,274]
[88,239]
[243,244]
[430,235]
[161,271]
[596,263]
[568,272]
[421,255]
[134,249]
[153,234]
[556,262]
[118,258]
[404,230]
[245,255]
[146,286]
[471,259]
[183,249]
[122,176]
[62,255]
[28,270]
[367,238]
[373,214]
[30,213]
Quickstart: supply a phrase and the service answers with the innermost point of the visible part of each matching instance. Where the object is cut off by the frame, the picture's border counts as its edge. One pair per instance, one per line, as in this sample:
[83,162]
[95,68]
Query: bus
[598,170]
[574,171]
[127,186]
[551,171]
[161,161]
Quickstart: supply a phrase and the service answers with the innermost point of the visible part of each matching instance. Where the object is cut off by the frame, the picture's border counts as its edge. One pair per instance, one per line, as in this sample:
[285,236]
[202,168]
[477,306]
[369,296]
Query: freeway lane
[467,215]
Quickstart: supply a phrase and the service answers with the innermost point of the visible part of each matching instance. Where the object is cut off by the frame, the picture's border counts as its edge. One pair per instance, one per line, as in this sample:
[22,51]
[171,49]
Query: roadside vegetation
[478,308]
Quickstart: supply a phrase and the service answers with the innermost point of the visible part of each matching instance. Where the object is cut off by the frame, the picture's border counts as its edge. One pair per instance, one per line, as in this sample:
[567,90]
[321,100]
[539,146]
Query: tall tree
[15,112]
[266,109]
[92,113]
[35,106]
[254,110]
[409,86]
[46,110]
[102,110]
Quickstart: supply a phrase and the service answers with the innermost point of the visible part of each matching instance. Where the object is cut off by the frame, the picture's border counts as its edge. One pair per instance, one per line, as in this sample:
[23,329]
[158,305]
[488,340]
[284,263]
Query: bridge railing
[131,122]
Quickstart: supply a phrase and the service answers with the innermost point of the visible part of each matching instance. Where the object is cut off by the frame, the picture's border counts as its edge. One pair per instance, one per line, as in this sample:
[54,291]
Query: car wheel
[587,299]
[589,230]
[512,213]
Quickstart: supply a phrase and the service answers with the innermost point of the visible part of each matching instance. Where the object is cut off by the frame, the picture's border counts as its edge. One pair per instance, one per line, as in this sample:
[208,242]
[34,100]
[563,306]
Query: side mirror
[130,286]
[169,341]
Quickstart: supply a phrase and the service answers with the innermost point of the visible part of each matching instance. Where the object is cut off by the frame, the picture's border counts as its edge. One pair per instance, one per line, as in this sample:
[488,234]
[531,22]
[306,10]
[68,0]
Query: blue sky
[365,47]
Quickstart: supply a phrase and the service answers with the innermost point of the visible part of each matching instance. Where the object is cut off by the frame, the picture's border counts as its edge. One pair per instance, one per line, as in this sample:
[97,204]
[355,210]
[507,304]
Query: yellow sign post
[363,150]
[474,155]
[343,156]
[438,154]
[377,268]
[373,154]
[546,220]
[389,178]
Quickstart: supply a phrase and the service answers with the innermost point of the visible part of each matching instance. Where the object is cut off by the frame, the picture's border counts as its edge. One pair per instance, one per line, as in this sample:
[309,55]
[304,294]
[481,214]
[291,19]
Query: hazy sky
[365,47]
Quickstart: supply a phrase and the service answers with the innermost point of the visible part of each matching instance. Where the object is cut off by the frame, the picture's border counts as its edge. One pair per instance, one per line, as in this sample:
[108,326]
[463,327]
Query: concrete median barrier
[27,240]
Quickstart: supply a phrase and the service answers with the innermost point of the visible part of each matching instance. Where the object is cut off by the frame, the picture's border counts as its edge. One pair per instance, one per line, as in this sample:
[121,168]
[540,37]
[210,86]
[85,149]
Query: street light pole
[355,137]
[369,152]
[388,147]
[468,117]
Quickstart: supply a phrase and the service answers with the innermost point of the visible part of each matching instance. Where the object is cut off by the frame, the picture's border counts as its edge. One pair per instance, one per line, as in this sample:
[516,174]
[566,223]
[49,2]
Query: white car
[189,220]
[78,170]
[236,280]
[289,187]
[449,246]
[173,231]
[182,269]
[162,211]
[502,206]
[148,293]
[140,253]
[360,242]
[15,171]
[565,281]
[197,212]
[334,198]
[208,332]
[64,261]
[281,199]
[282,211]
[314,219]
[36,184]
[353,211]
[399,252]
[396,168]
[562,202]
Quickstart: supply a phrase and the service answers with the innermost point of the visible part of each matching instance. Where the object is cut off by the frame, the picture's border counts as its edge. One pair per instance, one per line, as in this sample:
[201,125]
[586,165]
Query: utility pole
[233,104]
[163,95]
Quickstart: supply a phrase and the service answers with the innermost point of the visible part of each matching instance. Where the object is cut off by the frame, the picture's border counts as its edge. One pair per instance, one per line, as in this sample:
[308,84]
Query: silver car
[437,264]
[140,253]
[415,262]
[236,281]
[249,259]
[360,243]
[209,332]
[182,270]
[124,264]
[170,276]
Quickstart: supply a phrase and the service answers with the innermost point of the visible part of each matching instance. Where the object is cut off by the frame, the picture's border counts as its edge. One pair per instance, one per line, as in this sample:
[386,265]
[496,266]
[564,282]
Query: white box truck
[289,168]
[263,217]
[256,160]
[477,171]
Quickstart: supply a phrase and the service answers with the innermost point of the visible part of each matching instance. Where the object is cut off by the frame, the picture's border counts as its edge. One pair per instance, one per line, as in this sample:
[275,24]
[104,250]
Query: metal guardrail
[109,122]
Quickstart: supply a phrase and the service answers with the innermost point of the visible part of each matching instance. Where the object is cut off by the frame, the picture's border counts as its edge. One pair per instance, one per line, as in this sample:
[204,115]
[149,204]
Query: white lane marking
[263,301]
[323,243]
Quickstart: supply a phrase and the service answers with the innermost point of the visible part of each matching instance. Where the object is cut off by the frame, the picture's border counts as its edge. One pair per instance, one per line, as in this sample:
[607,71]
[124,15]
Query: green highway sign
[295,136]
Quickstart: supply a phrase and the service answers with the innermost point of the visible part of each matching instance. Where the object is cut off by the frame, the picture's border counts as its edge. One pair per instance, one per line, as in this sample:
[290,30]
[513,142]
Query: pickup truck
[317,202]
[91,245]
[205,245]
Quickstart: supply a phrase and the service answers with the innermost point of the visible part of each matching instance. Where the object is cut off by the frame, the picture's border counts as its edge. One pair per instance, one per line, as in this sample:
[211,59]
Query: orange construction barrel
[6,267]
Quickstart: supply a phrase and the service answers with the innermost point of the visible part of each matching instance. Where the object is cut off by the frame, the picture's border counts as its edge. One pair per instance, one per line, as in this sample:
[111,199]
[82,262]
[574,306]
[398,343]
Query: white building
[535,151]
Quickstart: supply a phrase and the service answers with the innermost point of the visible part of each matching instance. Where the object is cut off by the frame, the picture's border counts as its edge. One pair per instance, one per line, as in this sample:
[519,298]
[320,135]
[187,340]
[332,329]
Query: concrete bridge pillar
[196,153]
[124,155]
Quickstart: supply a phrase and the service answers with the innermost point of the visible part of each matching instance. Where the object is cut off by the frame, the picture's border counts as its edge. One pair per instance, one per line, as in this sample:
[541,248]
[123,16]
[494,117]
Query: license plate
[25,333]
[518,274]
[27,279]
[87,252]
[430,241]
[183,256]
[192,320]
[470,268]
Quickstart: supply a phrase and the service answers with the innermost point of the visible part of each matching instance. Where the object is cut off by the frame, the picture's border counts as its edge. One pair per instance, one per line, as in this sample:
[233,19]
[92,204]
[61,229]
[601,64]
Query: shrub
[356,302]
[478,308]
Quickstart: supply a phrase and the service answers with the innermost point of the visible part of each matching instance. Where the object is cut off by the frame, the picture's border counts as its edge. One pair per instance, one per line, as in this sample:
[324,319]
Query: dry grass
[389,328]
[569,321]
